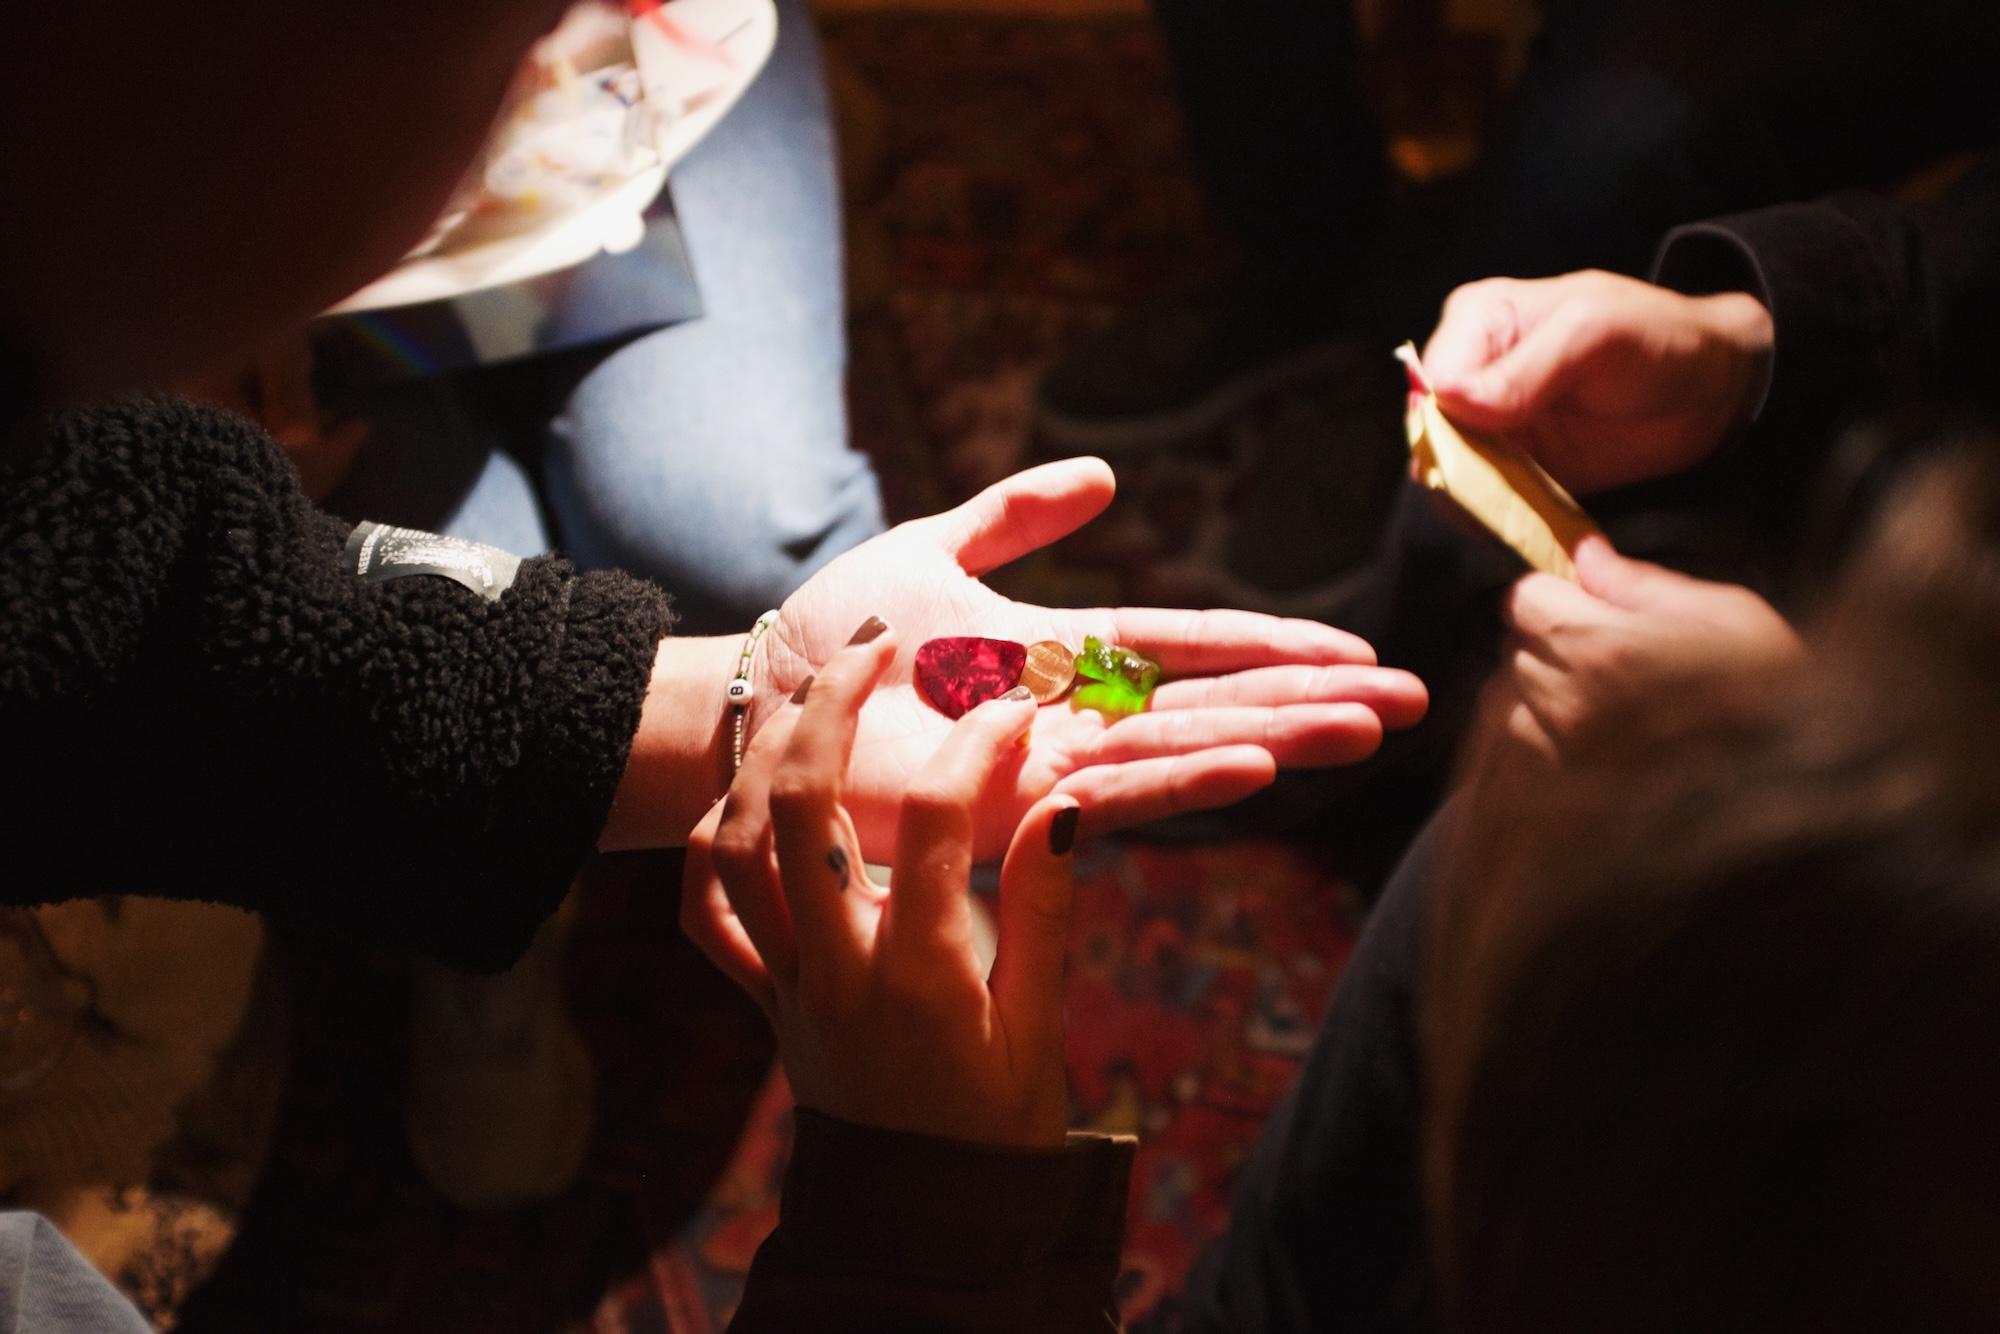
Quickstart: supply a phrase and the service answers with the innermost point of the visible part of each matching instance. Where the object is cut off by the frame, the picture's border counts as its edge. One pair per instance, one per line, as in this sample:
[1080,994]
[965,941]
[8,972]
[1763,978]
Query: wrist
[1740,326]
[679,763]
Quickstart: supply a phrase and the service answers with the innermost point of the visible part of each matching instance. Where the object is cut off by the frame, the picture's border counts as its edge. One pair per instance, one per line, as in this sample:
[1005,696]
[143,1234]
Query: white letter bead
[739,691]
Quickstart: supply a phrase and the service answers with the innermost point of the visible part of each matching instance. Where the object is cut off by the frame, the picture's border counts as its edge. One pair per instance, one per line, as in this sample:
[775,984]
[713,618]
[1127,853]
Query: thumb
[1634,585]
[1035,890]
[1019,514]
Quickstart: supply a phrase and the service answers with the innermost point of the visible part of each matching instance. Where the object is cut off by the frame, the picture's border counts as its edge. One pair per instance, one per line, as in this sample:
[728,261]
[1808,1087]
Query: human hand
[1585,652]
[883,1014]
[1300,692]
[1606,380]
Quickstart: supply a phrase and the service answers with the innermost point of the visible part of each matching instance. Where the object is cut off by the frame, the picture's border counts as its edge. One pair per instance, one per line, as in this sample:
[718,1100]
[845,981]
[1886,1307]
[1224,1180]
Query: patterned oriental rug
[1013,184]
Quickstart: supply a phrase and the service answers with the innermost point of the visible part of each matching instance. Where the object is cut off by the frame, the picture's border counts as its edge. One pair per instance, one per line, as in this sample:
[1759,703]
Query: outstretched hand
[1605,379]
[1243,693]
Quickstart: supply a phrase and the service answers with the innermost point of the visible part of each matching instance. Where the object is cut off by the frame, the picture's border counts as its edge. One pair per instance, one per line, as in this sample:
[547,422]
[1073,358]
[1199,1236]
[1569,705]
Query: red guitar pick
[958,675]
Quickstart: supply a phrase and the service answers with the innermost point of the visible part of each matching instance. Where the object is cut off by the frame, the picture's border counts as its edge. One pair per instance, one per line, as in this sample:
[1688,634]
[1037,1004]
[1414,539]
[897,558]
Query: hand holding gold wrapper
[1494,481]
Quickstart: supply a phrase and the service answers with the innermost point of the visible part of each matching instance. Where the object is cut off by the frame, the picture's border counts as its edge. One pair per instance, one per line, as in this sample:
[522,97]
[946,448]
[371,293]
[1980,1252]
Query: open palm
[1243,694]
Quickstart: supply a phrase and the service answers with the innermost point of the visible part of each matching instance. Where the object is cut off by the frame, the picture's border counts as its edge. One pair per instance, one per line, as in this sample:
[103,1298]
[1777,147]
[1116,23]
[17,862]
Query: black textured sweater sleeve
[200,700]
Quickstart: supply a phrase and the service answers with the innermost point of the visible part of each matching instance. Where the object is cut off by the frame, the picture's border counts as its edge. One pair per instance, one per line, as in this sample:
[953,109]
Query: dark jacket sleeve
[1874,303]
[200,699]
[891,1232]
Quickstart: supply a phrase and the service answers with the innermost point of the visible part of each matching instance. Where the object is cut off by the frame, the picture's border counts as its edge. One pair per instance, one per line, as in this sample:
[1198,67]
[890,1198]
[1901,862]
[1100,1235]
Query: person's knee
[724,524]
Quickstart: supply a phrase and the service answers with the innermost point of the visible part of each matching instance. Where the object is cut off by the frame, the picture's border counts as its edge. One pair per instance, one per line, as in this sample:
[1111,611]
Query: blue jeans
[709,456]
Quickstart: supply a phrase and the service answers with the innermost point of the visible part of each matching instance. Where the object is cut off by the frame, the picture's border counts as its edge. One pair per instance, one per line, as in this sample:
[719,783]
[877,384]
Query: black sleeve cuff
[549,813]
[882,1230]
[881,1199]
[1831,303]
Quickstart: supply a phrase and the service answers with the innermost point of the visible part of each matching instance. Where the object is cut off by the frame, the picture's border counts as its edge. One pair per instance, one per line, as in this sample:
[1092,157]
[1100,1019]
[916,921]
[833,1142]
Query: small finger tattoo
[836,858]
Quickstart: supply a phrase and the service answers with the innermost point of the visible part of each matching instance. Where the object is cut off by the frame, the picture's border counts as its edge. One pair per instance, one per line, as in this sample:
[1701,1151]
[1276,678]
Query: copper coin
[1051,667]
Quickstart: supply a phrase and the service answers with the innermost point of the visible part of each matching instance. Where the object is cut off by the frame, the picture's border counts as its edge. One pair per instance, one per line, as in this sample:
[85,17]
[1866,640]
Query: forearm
[679,762]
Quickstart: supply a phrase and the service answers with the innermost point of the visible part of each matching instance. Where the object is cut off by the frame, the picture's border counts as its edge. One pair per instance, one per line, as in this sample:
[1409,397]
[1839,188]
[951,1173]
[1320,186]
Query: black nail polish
[836,861]
[871,630]
[1019,692]
[799,695]
[1062,830]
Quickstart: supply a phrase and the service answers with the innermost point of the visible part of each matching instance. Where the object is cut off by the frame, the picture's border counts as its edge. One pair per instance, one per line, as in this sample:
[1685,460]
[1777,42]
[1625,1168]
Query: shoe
[502,1093]
[1179,366]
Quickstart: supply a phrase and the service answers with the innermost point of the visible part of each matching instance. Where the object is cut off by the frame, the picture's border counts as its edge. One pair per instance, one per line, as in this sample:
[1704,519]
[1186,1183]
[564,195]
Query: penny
[1050,669]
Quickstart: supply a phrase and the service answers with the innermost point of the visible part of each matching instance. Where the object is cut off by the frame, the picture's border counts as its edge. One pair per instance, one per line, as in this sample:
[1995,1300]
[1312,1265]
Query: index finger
[1207,642]
[739,849]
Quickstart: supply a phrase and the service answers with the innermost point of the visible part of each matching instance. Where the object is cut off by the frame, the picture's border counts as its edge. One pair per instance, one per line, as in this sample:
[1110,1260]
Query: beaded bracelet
[740,689]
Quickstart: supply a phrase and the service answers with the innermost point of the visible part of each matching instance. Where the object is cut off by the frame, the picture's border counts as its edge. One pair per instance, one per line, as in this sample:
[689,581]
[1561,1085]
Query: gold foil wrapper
[1493,480]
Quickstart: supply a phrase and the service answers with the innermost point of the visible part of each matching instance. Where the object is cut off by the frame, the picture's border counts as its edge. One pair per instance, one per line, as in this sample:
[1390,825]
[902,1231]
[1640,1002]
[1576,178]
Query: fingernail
[799,695]
[871,630]
[1062,830]
[1019,693]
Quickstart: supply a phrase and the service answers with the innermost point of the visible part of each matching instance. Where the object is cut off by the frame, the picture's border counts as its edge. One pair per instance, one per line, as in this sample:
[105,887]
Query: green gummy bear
[1106,662]
[1110,698]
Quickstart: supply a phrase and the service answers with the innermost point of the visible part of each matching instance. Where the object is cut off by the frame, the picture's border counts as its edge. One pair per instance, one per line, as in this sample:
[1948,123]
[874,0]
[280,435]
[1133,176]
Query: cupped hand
[883,1014]
[1298,692]
[1584,653]
[1605,379]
